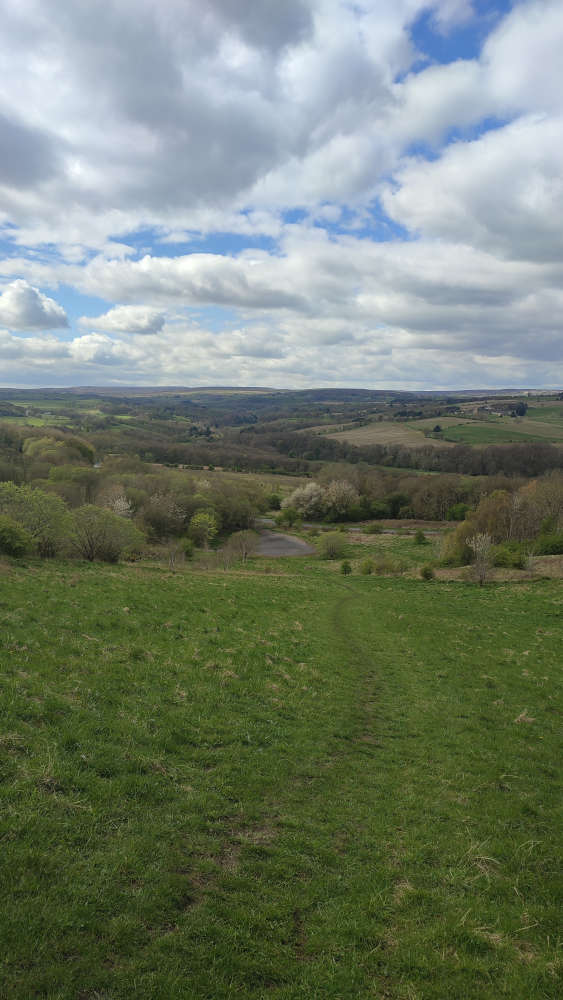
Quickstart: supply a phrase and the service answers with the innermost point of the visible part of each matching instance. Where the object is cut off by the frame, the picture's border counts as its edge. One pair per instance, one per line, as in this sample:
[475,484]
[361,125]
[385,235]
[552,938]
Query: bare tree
[175,551]
[481,546]
[244,544]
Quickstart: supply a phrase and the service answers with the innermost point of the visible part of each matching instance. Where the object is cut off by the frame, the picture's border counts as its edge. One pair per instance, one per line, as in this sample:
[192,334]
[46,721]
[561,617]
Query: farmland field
[277,783]
[547,413]
[503,431]
[388,432]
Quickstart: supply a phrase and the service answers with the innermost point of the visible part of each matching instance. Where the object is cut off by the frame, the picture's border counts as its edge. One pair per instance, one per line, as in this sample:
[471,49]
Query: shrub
[43,515]
[550,545]
[345,568]
[372,529]
[456,550]
[203,528]
[420,538]
[187,547]
[387,565]
[287,517]
[98,534]
[14,540]
[366,567]
[426,572]
[332,545]
[509,554]
[457,512]
[380,508]
[273,501]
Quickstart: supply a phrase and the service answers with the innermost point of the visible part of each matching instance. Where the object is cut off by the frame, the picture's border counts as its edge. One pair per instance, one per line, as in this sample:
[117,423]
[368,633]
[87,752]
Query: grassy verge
[222,786]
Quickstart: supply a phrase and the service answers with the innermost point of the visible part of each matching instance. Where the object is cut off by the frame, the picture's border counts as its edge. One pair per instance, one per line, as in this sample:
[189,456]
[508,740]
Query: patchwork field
[277,783]
[497,430]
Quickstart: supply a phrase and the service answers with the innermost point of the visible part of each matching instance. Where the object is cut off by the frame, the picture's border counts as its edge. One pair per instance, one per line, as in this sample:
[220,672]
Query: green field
[495,432]
[547,414]
[277,785]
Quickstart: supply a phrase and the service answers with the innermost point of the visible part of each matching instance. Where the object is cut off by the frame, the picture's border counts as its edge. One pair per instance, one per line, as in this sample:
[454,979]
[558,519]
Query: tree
[14,540]
[340,498]
[99,534]
[244,544]
[203,528]
[164,515]
[308,501]
[481,546]
[332,545]
[43,515]
[288,516]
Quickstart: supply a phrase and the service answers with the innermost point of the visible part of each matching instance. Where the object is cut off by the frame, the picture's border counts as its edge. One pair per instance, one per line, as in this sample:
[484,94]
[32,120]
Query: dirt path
[272,543]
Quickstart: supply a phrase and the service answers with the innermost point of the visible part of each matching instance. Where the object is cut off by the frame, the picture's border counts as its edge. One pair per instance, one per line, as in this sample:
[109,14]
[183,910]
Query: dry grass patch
[386,432]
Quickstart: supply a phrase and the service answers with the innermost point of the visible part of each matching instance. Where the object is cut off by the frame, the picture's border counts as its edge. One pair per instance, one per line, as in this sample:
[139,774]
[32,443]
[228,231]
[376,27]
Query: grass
[277,785]
[270,482]
[547,414]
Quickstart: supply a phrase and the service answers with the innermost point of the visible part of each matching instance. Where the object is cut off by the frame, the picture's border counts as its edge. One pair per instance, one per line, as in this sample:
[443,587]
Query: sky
[310,193]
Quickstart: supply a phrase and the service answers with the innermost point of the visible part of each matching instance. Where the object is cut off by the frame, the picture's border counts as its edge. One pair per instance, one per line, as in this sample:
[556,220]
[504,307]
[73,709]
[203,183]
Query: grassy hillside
[259,785]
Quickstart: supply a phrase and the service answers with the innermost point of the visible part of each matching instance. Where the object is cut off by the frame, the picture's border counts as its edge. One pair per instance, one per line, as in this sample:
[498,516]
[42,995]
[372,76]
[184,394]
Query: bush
[43,515]
[372,529]
[187,547]
[380,508]
[456,550]
[98,534]
[345,568]
[287,517]
[387,565]
[14,540]
[366,567]
[203,528]
[549,545]
[426,572]
[420,538]
[273,501]
[332,545]
[509,554]
[457,512]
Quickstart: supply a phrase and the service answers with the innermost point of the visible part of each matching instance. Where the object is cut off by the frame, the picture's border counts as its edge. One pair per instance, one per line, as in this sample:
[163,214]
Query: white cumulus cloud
[127,319]
[23,307]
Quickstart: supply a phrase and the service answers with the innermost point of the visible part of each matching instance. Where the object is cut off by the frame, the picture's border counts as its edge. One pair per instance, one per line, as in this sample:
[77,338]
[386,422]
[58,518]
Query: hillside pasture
[268,785]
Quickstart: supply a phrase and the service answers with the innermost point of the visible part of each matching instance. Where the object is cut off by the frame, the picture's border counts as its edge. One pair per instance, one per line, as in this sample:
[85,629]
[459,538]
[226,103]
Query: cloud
[428,196]
[194,279]
[36,351]
[23,307]
[155,113]
[127,319]
[29,155]
[502,192]
[97,349]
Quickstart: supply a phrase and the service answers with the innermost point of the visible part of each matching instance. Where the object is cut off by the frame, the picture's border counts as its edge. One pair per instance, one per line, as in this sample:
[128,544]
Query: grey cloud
[29,155]
[270,23]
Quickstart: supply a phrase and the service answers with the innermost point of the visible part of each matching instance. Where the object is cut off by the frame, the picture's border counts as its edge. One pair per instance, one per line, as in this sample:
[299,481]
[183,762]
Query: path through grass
[218,786]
